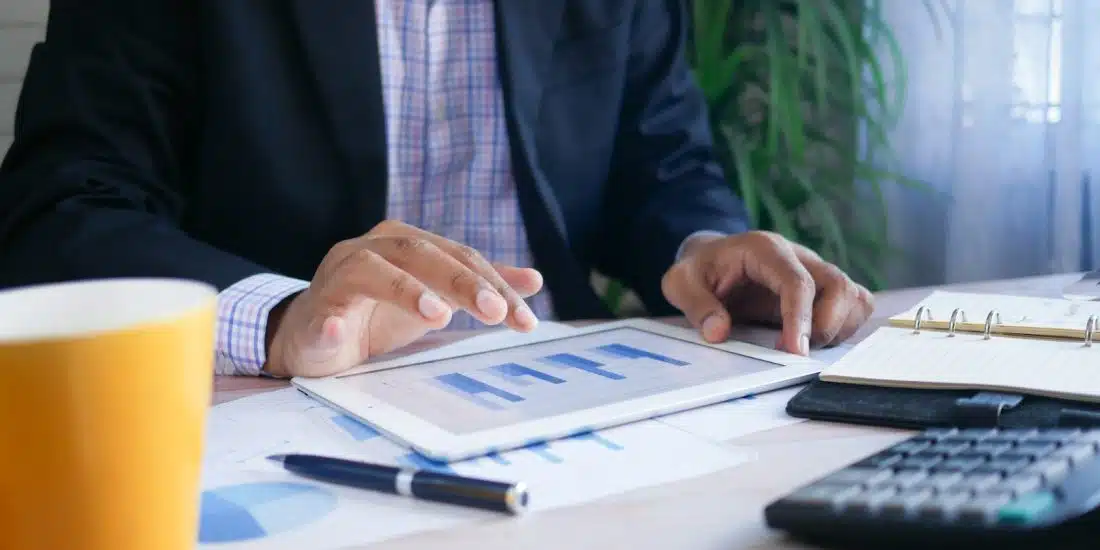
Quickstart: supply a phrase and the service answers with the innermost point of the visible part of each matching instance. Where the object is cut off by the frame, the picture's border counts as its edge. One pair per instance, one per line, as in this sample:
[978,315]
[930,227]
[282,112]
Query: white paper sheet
[558,474]
[250,503]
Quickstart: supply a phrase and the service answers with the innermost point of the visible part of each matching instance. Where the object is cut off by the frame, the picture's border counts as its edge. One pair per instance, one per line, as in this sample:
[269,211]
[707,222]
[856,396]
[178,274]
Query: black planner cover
[925,408]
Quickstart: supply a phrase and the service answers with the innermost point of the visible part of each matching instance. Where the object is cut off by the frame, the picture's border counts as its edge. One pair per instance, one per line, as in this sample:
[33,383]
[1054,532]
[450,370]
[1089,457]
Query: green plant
[802,97]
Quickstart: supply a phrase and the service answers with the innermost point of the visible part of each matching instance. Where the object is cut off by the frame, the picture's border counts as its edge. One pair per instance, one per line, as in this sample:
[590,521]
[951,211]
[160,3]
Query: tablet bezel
[439,444]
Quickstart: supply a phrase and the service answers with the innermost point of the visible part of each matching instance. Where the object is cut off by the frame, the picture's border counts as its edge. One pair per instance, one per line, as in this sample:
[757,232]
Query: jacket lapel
[526,33]
[349,89]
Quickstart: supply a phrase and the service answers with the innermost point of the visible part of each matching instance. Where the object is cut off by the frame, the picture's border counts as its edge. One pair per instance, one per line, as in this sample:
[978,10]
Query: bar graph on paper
[493,389]
[560,472]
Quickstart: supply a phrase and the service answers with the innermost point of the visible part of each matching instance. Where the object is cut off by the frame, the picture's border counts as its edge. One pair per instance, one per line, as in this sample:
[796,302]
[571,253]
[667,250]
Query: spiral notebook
[991,342]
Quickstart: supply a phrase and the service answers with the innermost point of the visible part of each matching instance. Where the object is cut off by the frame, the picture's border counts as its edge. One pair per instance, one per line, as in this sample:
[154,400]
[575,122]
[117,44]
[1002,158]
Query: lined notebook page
[1015,311]
[899,357]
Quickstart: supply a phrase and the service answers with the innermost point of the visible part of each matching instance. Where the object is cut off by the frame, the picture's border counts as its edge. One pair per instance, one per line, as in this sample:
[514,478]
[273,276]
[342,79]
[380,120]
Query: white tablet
[592,378]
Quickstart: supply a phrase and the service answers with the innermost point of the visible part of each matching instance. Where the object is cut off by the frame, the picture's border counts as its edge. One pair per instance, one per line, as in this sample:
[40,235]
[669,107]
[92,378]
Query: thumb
[685,287]
[327,345]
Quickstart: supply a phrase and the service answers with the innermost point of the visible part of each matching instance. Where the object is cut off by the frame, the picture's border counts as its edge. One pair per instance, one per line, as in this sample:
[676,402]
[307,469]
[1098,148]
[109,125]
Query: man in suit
[351,175]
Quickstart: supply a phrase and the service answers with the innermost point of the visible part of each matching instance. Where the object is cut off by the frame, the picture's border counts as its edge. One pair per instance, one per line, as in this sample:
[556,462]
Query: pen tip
[277,458]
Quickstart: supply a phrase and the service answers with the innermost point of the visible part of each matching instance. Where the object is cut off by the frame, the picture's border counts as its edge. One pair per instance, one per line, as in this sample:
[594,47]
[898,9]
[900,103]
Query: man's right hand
[384,290]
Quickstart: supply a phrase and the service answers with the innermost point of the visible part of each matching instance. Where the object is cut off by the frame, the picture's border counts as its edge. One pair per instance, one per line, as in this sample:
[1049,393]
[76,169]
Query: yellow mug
[104,388]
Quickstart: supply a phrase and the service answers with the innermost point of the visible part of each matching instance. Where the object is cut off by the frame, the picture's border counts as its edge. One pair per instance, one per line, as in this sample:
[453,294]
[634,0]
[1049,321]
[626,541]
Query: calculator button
[1057,437]
[1016,456]
[905,502]
[1089,437]
[881,460]
[980,482]
[960,440]
[1036,449]
[1077,453]
[858,476]
[991,449]
[943,505]
[982,509]
[1060,433]
[1001,440]
[868,502]
[948,448]
[959,463]
[907,478]
[1027,508]
[922,460]
[939,481]
[1003,466]
[821,496]
[910,447]
[923,439]
[1019,485]
[1052,470]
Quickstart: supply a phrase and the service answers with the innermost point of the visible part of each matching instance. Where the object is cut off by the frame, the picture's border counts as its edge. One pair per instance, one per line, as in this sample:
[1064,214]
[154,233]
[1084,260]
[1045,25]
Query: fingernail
[491,304]
[525,316]
[804,344]
[712,327]
[431,306]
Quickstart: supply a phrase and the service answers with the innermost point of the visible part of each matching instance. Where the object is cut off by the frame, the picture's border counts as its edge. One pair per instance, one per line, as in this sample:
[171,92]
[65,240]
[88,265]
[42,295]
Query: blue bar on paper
[543,450]
[597,438]
[569,360]
[421,462]
[629,352]
[472,387]
[516,373]
[495,457]
[356,429]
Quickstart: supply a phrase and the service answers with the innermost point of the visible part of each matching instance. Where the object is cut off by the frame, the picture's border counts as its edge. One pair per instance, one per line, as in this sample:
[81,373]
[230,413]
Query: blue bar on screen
[629,352]
[514,372]
[472,387]
[569,360]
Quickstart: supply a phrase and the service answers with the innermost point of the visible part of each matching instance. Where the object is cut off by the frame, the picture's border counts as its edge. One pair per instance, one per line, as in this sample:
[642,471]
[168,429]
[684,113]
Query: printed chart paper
[250,503]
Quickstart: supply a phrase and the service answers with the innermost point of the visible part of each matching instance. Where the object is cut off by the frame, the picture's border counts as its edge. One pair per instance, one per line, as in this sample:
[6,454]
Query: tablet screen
[502,387]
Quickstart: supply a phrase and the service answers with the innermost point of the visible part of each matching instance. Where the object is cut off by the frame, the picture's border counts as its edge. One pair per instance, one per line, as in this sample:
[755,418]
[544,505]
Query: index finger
[772,263]
[519,316]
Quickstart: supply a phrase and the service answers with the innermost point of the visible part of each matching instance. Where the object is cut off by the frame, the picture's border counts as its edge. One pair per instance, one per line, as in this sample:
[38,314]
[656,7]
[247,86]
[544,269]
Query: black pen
[434,486]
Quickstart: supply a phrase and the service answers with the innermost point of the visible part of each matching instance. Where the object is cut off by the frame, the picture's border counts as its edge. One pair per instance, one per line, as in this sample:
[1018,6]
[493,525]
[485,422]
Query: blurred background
[912,142]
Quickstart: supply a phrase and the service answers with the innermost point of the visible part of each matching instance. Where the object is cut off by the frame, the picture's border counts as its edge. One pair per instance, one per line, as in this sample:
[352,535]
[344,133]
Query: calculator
[956,488]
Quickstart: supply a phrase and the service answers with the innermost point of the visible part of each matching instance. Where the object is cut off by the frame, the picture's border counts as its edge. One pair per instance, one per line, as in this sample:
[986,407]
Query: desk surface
[718,511]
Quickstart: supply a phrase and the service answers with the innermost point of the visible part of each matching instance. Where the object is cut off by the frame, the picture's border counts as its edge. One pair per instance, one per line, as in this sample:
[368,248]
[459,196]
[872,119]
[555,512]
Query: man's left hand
[761,277]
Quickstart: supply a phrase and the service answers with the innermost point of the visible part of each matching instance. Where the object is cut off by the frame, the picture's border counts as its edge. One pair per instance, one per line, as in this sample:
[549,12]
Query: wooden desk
[719,511]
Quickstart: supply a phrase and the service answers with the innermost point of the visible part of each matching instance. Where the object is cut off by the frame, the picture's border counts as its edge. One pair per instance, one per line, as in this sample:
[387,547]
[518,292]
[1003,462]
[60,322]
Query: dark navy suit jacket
[216,139]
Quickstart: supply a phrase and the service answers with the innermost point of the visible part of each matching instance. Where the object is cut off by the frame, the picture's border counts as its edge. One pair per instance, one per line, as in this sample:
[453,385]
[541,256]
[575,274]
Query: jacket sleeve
[94,183]
[666,181]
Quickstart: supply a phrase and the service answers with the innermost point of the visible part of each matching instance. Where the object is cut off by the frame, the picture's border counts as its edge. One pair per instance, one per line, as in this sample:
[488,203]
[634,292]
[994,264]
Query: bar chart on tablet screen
[484,391]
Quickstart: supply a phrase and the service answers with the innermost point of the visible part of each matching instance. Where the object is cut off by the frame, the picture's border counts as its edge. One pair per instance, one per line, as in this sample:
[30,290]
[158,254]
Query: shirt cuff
[693,236]
[243,308]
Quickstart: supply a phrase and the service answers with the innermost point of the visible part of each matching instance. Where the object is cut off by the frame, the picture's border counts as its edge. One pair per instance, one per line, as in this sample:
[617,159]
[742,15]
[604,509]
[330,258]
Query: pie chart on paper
[237,513]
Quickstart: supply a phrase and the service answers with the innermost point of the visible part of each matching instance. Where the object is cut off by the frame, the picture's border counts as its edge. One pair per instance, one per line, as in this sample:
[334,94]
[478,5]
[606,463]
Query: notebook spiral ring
[922,314]
[955,315]
[993,318]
